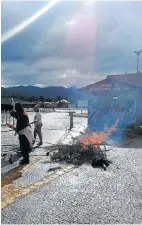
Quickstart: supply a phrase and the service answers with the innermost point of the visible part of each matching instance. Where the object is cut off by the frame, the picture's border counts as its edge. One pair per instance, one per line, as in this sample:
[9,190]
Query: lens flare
[27,22]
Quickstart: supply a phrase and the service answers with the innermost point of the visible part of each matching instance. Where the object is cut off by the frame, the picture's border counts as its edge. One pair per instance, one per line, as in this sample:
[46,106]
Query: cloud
[49,71]
[18,11]
[75,44]
[118,35]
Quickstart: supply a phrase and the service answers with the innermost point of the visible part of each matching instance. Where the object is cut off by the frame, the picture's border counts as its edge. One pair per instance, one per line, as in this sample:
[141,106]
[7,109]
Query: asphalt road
[87,195]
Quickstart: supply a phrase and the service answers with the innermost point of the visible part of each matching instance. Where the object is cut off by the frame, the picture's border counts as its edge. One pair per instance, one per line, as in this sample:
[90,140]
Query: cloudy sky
[73,43]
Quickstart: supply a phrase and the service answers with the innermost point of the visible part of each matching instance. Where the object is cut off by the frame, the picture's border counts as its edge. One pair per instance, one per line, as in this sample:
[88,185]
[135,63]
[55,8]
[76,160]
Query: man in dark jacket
[23,129]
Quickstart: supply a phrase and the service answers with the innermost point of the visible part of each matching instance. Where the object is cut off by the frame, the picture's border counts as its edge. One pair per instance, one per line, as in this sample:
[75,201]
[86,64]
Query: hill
[52,92]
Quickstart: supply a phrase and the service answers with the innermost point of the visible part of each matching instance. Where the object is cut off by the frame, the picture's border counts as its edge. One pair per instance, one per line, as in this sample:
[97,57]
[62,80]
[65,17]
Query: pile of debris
[87,150]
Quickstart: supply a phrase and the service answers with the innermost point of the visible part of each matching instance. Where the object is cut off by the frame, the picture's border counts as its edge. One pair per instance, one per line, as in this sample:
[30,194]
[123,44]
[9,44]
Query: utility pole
[138,53]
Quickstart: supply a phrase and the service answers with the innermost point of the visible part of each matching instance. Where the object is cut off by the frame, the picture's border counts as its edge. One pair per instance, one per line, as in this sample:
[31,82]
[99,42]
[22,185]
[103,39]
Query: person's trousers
[37,131]
[25,147]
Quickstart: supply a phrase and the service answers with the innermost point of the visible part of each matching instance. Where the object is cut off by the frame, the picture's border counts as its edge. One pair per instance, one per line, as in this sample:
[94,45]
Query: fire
[100,137]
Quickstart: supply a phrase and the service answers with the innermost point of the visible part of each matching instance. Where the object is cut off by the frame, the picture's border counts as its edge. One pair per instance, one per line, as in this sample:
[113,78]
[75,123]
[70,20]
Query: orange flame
[100,137]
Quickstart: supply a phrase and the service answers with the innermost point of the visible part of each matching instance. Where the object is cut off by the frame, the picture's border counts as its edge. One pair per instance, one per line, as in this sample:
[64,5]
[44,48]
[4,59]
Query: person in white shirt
[38,125]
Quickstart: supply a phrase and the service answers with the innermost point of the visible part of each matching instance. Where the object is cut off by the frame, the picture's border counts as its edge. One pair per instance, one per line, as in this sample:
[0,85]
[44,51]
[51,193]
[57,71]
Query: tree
[32,98]
[42,98]
[48,100]
[59,98]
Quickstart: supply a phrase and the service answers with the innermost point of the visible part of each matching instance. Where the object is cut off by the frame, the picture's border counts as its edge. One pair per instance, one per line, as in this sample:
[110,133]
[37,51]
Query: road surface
[83,195]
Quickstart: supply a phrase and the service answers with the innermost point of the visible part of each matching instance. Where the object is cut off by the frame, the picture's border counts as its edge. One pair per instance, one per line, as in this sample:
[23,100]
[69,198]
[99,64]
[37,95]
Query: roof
[48,103]
[95,85]
[132,78]
[63,101]
[7,101]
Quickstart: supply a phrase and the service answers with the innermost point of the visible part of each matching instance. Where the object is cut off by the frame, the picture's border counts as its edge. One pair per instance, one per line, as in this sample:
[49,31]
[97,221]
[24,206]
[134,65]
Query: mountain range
[71,93]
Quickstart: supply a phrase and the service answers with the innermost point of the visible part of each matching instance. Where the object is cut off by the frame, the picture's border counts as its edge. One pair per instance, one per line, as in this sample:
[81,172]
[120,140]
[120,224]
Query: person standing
[24,131]
[38,125]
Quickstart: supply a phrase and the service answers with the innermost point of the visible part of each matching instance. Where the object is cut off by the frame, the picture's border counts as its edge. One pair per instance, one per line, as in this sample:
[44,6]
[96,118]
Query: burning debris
[100,159]
[100,137]
[87,150]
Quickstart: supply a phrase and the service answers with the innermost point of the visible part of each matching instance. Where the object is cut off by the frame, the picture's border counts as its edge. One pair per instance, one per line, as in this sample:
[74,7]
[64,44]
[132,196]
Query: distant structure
[7,104]
[117,93]
[62,103]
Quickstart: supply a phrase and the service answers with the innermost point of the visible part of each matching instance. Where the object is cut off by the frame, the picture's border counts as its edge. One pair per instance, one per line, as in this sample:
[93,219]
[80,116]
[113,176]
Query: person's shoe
[23,162]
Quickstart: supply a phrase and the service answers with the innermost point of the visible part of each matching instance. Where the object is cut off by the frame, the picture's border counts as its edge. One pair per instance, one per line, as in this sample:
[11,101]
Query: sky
[73,43]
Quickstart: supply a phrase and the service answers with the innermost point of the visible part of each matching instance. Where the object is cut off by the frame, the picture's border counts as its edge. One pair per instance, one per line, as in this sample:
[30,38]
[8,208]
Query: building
[120,95]
[6,103]
[62,103]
